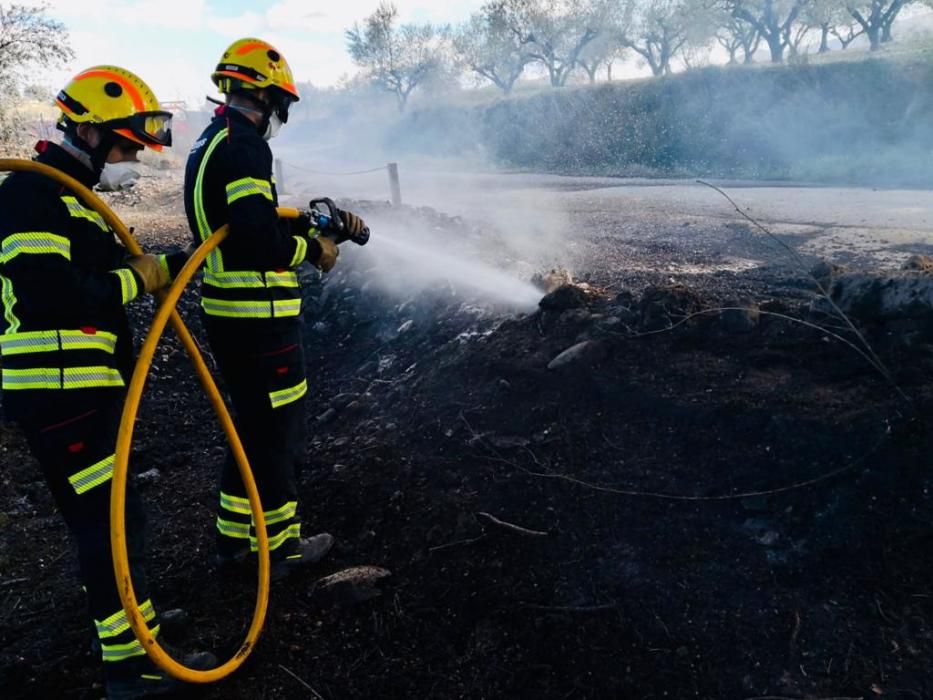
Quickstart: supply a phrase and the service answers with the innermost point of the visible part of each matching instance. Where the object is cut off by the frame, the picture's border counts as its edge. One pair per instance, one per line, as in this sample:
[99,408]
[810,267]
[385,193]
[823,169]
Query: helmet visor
[149,128]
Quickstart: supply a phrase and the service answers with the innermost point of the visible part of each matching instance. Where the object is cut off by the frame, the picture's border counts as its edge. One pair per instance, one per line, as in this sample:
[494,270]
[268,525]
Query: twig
[803,267]
[458,543]
[313,691]
[493,520]
[784,697]
[13,582]
[583,610]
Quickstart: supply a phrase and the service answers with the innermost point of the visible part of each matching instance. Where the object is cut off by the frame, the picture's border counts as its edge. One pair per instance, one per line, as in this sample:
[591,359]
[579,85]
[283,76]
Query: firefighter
[66,345]
[251,300]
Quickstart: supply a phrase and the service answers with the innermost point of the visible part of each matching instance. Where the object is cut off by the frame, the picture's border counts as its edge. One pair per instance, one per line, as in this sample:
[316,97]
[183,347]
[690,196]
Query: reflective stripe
[239,531]
[79,211]
[118,623]
[287,279]
[120,652]
[286,512]
[67,378]
[128,285]
[93,476]
[52,341]
[215,259]
[301,251]
[34,243]
[278,540]
[248,279]
[246,187]
[163,263]
[8,299]
[281,308]
[15,379]
[234,280]
[90,377]
[288,396]
[235,504]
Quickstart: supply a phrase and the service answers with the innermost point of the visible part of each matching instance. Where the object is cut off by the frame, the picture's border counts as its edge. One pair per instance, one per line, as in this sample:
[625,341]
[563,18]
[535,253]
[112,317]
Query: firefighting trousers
[265,375]
[73,437]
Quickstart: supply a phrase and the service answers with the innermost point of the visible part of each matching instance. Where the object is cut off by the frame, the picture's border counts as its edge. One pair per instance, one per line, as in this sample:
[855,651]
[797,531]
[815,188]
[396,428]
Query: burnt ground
[735,507]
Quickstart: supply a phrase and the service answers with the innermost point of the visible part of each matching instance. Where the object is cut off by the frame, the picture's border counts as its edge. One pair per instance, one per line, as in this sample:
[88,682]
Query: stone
[587,351]
[350,586]
[327,417]
[919,263]
[551,281]
[565,298]
[824,272]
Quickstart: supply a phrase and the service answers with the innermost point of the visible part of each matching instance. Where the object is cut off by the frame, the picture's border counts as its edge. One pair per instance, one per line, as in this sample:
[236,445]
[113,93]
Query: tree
[489,47]
[399,58]
[555,32]
[602,51]
[661,29]
[29,37]
[875,17]
[735,35]
[775,21]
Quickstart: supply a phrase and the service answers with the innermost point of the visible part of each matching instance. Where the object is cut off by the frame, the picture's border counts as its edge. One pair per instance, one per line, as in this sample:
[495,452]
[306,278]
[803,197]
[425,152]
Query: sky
[174,45]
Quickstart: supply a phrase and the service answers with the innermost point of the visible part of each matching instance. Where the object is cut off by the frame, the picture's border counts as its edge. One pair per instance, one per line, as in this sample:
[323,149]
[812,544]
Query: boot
[140,678]
[308,551]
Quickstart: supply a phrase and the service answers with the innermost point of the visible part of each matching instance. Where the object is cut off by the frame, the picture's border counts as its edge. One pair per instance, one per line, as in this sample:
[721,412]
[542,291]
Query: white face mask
[118,176]
[275,124]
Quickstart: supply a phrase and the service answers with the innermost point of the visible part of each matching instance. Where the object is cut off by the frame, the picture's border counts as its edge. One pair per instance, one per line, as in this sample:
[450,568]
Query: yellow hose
[166,313]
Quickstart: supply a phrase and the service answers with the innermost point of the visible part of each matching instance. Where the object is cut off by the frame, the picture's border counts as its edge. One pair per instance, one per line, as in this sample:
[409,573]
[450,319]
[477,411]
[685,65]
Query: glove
[153,275]
[353,226]
[323,252]
[301,225]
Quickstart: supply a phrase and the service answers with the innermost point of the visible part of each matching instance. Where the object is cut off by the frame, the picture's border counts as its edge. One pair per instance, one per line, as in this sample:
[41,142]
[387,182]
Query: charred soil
[737,506]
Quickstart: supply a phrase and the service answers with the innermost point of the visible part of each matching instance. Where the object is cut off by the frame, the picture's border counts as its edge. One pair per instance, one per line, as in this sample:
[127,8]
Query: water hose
[167,313]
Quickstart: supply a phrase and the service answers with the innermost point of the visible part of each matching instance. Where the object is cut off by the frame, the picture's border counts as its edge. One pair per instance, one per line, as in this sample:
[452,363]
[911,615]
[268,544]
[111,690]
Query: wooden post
[279,177]
[394,185]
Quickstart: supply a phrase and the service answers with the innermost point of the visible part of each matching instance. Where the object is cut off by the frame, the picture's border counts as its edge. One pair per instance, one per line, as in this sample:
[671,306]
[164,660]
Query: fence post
[279,177]
[394,185]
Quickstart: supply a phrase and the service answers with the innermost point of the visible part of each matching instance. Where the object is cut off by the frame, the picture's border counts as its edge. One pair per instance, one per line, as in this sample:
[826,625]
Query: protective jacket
[229,180]
[63,284]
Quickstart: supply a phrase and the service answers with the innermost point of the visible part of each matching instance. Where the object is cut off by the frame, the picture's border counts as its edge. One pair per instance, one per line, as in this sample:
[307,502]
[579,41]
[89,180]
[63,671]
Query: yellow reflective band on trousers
[287,396]
[53,341]
[247,187]
[239,531]
[112,653]
[118,623]
[67,378]
[276,541]
[34,243]
[93,476]
[301,251]
[280,308]
[235,504]
[128,286]
[8,300]
[280,515]
[79,211]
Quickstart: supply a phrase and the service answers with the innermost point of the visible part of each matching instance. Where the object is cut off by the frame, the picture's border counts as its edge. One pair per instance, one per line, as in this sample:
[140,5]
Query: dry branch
[518,529]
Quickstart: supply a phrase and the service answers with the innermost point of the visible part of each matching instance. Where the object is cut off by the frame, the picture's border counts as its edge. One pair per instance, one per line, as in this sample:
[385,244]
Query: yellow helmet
[118,100]
[254,64]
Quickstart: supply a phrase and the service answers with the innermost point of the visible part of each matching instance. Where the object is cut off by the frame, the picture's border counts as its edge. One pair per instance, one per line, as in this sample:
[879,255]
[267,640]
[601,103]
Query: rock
[662,307]
[587,351]
[564,298]
[341,442]
[327,417]
[153,476]
[879,298]
[825,272]
[741,317]
[350,586]
[919,263]
[575,316]
[551,281]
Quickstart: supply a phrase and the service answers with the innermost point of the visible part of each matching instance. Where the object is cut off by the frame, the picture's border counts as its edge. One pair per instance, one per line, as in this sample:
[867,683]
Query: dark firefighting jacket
[228,180]
[63,284]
